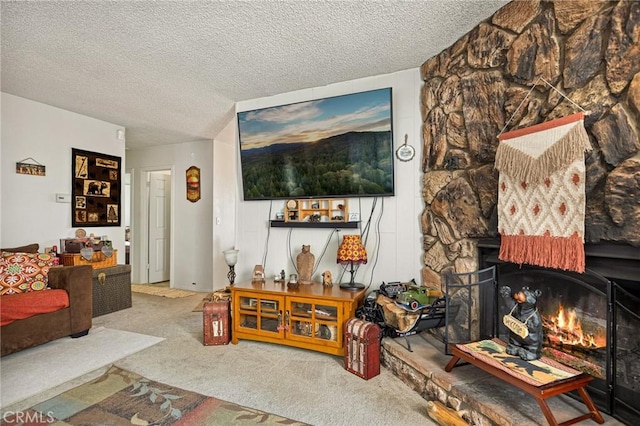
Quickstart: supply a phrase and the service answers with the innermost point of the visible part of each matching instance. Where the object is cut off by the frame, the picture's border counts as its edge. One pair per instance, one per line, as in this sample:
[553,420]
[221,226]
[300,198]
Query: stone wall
[588,50]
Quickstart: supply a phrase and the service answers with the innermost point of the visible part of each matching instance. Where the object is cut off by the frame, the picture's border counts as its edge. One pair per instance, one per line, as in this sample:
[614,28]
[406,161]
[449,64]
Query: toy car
[417,297]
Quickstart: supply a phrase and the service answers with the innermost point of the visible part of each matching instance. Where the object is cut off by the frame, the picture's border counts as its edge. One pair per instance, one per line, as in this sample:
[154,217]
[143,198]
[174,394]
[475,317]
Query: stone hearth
[479,398]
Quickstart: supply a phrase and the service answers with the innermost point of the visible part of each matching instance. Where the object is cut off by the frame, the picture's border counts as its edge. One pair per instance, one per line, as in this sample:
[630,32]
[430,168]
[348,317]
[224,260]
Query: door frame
[142,261]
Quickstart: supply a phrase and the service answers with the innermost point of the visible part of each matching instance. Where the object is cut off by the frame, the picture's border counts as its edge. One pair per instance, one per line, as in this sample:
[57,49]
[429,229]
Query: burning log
[565,330]
[562,336]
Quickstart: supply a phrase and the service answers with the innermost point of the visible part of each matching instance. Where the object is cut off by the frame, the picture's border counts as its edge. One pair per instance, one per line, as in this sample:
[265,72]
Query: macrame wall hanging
[541,193]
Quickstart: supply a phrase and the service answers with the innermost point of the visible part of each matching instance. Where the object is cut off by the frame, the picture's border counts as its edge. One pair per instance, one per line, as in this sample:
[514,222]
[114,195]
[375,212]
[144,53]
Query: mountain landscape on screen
[333,147]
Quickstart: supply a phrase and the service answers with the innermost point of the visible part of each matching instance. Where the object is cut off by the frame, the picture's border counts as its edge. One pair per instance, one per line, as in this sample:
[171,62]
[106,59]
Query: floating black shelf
[324,225]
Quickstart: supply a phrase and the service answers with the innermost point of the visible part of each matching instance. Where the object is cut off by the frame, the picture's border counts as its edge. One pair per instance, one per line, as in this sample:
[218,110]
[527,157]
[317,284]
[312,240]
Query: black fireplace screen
[626,381]
[590,323]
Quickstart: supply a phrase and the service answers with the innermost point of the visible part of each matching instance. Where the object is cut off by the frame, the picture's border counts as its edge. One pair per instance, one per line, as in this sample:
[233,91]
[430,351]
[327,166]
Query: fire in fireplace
[569,342]
[564,331]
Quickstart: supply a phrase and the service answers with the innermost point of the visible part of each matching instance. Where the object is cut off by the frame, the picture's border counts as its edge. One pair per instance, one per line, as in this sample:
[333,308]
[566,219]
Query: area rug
[171,293]
[541,194]
[35,370]
[124,397]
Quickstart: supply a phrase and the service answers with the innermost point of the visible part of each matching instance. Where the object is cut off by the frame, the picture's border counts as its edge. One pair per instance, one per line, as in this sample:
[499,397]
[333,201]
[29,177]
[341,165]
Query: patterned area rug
[171,293]
[122,397]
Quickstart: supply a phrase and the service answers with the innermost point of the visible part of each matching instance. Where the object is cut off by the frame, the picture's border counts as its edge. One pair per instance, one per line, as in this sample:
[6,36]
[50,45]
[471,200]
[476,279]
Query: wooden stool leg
[586,398]
[547,412]
[452,363]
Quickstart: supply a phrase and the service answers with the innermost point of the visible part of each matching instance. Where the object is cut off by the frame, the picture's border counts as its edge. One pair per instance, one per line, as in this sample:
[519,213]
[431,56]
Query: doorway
[127,217]
[158,226]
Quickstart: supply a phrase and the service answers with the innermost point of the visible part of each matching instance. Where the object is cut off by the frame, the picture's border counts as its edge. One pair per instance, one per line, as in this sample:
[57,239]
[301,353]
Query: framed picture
[96,189]
[193,183]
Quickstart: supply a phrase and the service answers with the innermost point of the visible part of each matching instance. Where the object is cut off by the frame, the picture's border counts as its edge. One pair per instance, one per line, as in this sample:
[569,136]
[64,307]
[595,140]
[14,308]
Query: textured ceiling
[170,72]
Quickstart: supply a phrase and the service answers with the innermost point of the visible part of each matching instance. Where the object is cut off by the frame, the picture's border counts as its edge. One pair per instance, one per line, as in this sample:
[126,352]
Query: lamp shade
[352,250]
[231,256]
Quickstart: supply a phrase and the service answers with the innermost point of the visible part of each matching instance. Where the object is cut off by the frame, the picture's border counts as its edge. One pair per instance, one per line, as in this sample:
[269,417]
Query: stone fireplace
[482,86]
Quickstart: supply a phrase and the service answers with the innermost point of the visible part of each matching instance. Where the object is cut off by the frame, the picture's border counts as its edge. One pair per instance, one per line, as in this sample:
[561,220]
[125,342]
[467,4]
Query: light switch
[63,198]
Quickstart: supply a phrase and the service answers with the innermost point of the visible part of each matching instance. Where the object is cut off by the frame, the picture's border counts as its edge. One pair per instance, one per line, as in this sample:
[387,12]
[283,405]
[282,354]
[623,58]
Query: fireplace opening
[590,320]
[574,313]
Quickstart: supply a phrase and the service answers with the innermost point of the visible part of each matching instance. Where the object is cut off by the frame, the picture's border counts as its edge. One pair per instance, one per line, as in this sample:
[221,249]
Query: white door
[159,226]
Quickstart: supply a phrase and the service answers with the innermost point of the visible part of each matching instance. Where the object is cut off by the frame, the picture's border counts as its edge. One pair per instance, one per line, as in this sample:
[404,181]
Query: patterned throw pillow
[23,272]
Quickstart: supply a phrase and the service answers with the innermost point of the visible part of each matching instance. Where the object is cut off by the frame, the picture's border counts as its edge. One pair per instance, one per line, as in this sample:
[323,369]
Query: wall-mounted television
[340,146]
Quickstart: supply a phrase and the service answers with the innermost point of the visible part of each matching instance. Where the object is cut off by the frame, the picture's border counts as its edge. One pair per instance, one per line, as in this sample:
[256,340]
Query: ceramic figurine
[327,279]
[524,323]
[258,274]
[293,281]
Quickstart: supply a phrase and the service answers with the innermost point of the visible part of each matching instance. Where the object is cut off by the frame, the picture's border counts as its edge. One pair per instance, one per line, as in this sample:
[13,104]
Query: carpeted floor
[200,306]
[123,397]
[293,383]
[297,384]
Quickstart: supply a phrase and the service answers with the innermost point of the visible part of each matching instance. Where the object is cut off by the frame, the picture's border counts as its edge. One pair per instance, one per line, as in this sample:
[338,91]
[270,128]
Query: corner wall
[47,134]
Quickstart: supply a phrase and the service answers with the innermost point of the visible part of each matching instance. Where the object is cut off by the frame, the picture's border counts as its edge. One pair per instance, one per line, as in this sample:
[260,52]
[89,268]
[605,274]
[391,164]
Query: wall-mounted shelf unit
[316,210]
[330,225]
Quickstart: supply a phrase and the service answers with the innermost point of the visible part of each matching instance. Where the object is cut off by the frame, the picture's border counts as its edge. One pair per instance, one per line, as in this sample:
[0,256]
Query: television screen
[334,147]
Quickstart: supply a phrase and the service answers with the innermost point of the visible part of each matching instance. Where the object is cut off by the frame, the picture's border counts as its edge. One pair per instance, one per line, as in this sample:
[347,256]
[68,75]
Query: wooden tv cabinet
[310,317]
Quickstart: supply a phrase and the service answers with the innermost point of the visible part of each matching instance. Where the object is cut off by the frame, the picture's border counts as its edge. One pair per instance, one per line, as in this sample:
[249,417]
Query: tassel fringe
[526,168]
[551,252]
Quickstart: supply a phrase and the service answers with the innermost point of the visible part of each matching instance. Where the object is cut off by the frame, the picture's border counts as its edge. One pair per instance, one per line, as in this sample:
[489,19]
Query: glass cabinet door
[314,322]
[261,314]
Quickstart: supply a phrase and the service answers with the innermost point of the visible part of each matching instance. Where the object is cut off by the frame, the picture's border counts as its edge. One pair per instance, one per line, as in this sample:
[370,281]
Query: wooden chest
[111,289]
[362,348]
[216,323]
[98,261]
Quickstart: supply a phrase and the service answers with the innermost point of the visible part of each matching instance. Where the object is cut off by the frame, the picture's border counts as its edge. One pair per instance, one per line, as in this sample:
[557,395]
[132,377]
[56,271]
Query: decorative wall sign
[96,189]
[193,184]
[405,152]
[34,168]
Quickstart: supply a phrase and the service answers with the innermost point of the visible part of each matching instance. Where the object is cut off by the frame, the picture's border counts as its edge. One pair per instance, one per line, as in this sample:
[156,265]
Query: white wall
[225,198]
[47,134]
[400,246]
[191,223]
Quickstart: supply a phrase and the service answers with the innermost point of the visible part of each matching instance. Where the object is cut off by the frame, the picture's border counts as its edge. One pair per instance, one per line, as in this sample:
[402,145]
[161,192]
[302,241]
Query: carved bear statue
[524,323]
